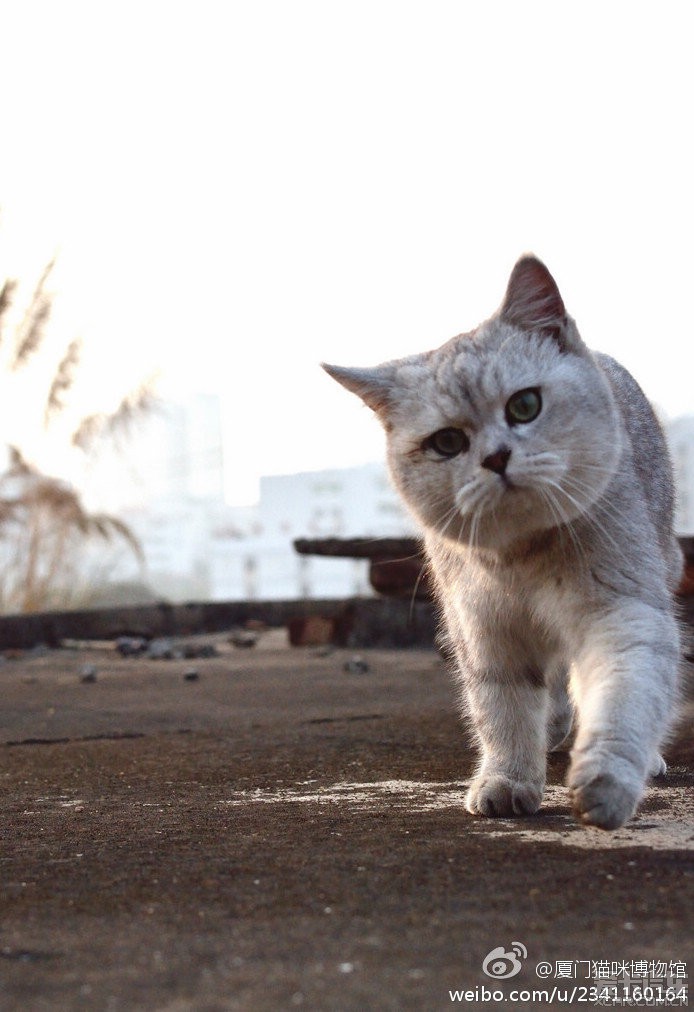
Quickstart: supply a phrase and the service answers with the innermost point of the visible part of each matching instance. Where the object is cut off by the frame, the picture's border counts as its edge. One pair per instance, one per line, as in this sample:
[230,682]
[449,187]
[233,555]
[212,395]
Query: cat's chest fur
[522,609]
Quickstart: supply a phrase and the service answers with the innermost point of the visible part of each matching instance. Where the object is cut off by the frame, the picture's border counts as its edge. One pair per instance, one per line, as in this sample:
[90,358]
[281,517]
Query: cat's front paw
[601,796]
[495,794]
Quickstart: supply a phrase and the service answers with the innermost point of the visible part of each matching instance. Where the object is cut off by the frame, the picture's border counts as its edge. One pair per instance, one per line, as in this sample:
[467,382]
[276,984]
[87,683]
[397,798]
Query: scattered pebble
[244,638]
[356,666]
[191,675]
[131,646]
[88,673]
[192,650]
[160,650]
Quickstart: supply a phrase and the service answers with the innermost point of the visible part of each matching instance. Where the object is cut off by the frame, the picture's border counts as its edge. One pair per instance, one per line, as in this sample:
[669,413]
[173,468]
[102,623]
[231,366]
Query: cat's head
[503,432]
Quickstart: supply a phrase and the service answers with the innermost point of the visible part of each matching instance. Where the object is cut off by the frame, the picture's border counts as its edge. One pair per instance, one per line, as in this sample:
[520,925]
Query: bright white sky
[239,190]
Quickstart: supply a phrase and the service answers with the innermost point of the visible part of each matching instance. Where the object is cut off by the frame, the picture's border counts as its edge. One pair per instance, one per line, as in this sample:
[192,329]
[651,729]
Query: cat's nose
[497,461]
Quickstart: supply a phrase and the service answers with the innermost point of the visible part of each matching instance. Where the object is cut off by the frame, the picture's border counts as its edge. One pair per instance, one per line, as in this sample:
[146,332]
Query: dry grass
[119,424]
[46,534]
[30,332]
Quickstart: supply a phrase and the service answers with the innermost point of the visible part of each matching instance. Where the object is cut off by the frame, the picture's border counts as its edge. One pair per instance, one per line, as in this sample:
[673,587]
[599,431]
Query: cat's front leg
[624,684]
[509,715]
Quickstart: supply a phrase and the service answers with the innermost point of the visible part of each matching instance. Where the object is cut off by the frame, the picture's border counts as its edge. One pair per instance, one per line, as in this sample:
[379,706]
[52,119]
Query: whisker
[600,506]
[413,596]
[564,526]
[451,514]
[584,514]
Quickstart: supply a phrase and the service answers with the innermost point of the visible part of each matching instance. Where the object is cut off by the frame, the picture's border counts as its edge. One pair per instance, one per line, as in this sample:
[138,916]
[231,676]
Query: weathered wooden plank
[360,548]
[398,565]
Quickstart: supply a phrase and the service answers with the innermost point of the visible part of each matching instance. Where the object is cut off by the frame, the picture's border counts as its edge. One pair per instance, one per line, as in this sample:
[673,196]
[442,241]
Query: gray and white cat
[541,480]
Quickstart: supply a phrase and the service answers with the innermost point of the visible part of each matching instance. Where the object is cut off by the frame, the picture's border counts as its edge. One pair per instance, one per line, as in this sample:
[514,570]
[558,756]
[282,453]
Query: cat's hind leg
[561,715]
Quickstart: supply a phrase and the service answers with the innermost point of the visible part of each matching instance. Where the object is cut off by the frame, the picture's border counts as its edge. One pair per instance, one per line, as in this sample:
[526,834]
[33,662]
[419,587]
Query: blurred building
[348,502]
[175,455]
[169,488]
[200,548]
[167,484]
[680,435]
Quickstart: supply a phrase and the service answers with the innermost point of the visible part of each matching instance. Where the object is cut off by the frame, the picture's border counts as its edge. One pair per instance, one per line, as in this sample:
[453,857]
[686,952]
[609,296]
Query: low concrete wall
[356,622]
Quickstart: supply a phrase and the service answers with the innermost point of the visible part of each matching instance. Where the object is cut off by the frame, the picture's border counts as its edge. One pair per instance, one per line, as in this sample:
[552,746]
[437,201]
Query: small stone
[160,650]
[244,638]
[323,651]
[198,650]
[356,666]
[191,675]
[88,673]
[131,646]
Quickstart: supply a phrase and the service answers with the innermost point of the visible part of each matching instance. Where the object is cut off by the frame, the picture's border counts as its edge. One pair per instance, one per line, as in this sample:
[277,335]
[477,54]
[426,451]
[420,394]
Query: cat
[541,481]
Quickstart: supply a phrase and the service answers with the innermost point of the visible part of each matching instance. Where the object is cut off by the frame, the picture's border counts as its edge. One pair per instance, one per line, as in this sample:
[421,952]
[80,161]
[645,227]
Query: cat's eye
[523,406]
[448,442]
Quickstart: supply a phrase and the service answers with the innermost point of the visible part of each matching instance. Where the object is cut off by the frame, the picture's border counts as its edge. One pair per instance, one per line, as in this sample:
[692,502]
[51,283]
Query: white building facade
[680,435]
[348,502]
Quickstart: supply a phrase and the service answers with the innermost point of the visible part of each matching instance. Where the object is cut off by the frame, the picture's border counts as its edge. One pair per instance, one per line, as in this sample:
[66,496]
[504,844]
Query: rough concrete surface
[281,833]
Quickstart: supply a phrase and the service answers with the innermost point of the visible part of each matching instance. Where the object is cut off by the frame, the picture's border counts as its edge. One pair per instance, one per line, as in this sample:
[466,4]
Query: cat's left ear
[533,302]
[374,386]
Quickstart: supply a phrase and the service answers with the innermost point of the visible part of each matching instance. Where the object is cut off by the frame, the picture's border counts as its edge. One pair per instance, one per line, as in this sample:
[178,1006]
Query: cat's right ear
[532,300]
[374,386]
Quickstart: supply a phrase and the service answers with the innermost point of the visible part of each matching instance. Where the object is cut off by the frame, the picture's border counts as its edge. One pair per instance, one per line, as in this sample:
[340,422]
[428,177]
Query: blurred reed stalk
[45,531]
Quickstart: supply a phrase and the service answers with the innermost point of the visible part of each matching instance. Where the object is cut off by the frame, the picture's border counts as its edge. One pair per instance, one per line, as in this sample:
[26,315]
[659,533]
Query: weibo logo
[501,965]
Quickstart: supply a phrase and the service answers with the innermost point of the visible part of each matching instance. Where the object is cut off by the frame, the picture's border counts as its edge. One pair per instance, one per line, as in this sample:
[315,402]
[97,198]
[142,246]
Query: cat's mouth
[494,508]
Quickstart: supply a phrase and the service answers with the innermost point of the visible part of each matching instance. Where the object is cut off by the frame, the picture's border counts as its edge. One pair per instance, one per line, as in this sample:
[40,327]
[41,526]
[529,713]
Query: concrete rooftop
[279,832]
